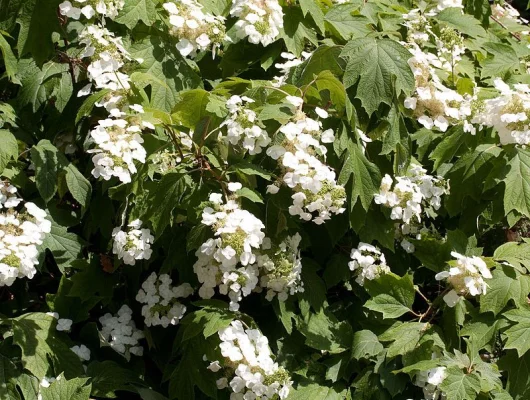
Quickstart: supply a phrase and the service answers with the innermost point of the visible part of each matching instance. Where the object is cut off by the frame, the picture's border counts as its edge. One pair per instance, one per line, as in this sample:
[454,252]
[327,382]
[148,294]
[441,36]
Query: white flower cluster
[430,380]
[509,113]
[121,333]
[238,236]
[281,268]
[249,360]
[107,55]
[21,231]
[106,8]
[433,103]
[160,299]
[466,276]
[133,244]
[242,124]
[196,30]
[285,68]
[118,138]
[368,262]
[63,324]
[259,20]
[314,184]
[119,144]
[409,197]
[82,352]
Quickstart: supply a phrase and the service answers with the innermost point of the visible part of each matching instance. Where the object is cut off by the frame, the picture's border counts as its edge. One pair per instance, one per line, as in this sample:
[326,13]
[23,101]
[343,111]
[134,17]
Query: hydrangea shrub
[264,200]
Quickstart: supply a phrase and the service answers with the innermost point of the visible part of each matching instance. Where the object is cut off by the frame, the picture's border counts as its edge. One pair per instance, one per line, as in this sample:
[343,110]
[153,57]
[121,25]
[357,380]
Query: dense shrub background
[346,72]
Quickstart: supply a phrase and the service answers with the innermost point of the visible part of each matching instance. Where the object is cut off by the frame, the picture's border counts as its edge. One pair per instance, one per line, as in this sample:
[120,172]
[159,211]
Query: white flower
[295,100]
[234,186]
[82,352]
[259,20]
[120,332]
[368,262]
[255,374]
[467,277]
[64,324]
[133,244]
[160,300]
[321,112]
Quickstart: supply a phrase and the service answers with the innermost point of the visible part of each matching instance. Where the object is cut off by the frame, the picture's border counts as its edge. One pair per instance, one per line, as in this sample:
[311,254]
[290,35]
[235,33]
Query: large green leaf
[346,26]
[465,23]
[380,70]
[73,389]
[518,334]
[10,61]
[458,385]
[137,10]
[506,284]
[46,159]
[517,183]
[65,246]
[8,148]
[365,345]
[161,59]
[392,295]
[42,348]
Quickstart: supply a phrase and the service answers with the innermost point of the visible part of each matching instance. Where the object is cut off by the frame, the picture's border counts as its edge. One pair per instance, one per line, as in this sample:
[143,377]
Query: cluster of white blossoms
[196,30]
[119,144]
[105,8]
[259,20]
[433,103]
[508,113]
[82,352]
[409,197]
[281,268]
[132,244]
[228,260]
[63,324]
[248,364]
[291,61]
[121,333]
[23,227]
[429,381]
[466,276]
[313,182]
[160,300]
[368,262]
[242,126]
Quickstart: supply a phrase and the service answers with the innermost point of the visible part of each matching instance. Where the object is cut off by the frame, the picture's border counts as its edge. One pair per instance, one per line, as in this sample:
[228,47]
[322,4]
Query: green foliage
[336,333]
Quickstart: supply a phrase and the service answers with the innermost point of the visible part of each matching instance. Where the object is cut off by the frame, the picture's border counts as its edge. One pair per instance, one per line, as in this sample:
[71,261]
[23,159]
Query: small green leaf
[78,185]
[519,334]
[506,284]
[392,295]
[134,11]
[465,23]
[8,148]
[46,160]
[365,345]
[460,386]
[517,183]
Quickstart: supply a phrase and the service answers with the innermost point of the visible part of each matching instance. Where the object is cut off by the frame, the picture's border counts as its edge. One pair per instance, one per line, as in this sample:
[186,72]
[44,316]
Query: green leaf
[312,8]
[519,334]
[8,375]
[40,85]
[88,105]
[35,334]
[10,61]
[404,337]
[315,391]
[73,389]
[517,254]
[450,145]
[465,23]
[295,31]
[379,68]
[518,382]
[250,194]
[38,21]
[162,60]
[504,59]
[344,25]
[325,80]
[191,107]
[46,160]
[324,58]
[65,246]
[8,148]
[517,183]
[506,284]
[324,332]
[78,185]
[366,176]
[247,168]
[392,295]
[134,11]
[460,386]
[365,345]
[108,377]
[167,196]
